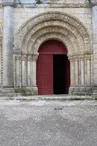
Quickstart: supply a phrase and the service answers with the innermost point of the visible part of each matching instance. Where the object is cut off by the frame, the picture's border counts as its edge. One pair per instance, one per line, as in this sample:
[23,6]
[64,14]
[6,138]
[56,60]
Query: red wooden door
[45,74]
[45,65]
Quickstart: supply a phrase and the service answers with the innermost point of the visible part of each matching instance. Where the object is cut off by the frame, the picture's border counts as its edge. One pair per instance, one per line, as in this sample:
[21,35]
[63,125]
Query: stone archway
[59,26]
[53,68]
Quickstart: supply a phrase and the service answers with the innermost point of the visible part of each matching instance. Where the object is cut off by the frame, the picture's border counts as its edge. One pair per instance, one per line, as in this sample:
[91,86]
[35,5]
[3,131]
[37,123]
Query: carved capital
[23,57]
[29,57]
[34,57]
[87,57]
[17,57]
[71,58]
[82,57]
[9,3]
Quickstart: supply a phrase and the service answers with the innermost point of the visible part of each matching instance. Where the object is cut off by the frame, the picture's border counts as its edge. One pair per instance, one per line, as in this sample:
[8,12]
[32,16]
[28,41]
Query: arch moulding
[43,27]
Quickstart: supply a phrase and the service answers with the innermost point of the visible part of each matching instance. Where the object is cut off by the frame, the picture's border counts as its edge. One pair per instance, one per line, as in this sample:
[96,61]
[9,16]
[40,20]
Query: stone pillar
[72,70]
[0,64]
[14,63]
[72,75]
[23,70]
[88,71]
[29,70]
[34,60]
[18,71]
[94,26]
[76,72]
[82,72]
[8,47]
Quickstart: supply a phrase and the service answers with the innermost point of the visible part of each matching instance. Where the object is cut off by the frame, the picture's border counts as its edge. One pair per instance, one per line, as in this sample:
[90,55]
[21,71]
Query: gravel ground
[48,123]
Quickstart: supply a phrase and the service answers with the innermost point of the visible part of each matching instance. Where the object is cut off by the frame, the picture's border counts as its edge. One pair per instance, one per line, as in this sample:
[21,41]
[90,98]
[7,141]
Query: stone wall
[1,51]
[81,11]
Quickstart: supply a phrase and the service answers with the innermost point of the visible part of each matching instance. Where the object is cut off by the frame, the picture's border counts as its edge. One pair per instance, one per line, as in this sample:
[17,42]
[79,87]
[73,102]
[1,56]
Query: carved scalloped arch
[43,17]
[58,28]
[54,36]
[32,46]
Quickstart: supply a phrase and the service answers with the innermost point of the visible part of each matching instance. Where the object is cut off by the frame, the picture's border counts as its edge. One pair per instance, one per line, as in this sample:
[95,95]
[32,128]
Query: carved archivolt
[53,25]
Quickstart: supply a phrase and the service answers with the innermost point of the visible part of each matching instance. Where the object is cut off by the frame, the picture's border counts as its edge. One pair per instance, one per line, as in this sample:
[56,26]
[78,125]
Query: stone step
[6,90]
[15,94]
[79,93]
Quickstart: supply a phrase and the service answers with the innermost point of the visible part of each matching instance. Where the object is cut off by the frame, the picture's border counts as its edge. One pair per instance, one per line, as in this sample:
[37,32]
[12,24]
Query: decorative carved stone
[29,57]
[23,58]
[35,57]
[45,18]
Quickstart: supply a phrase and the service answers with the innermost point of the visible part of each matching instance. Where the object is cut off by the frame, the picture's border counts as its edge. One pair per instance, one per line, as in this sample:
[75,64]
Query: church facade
[49,47]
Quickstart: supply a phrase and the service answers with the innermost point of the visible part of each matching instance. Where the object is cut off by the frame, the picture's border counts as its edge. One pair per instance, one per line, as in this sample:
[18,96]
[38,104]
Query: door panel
[61,73]
[67,74]
[45,62]
[45,74]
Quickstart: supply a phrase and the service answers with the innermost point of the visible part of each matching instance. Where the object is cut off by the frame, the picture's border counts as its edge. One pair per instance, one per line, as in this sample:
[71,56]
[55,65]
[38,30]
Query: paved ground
[43,123]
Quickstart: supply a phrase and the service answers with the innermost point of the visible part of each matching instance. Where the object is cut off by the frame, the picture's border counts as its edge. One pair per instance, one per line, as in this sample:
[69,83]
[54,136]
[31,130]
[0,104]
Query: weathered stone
[25,27]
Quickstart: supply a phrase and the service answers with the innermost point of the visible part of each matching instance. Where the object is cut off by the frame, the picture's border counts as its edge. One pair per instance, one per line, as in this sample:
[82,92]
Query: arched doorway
[53,68]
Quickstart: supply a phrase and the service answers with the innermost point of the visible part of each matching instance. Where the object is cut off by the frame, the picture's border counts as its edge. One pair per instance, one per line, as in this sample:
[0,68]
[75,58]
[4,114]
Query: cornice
[49,5]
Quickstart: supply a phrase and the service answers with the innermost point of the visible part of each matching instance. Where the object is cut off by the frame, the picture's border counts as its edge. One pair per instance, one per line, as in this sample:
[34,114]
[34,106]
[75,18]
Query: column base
[27,91]
[94,91]
[17,91]
[75,90]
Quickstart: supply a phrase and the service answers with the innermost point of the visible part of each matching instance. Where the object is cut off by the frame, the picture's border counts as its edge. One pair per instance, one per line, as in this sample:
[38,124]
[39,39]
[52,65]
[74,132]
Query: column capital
[70,58]
[32,57]
[17,57]
[82,57]
[11,3]
[35,56]
[29,57]
[73,58]
[88,57]
[23,57]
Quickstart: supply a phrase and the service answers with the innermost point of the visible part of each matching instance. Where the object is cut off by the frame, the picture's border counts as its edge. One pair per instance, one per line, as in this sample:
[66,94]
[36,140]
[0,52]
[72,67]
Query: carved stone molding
[88,57]
[48,5]
[17,57]
[74,23]
[23,57]
[29,57]
[35,57]
[76,57]
[62,32]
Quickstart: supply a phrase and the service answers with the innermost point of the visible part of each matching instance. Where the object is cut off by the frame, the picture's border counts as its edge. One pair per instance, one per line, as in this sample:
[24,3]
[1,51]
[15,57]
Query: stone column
[88,66]
[76,72]
[34,60]
[0,65]
[23,70]
[14,72]
[29,70]
[82,72]
[18,71]
[72,75]
[8,47]
[72,70]
[94,26]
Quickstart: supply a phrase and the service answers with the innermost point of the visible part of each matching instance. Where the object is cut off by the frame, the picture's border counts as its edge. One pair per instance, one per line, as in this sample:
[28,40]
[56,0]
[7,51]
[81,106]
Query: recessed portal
[61,80]
[53,68]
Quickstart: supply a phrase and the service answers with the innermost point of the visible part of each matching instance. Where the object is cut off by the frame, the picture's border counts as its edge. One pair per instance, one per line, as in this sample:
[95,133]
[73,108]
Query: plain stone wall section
[8,47]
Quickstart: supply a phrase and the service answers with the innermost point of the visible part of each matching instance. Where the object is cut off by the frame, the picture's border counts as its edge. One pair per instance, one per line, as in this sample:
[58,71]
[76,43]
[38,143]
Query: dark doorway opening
[61,74]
